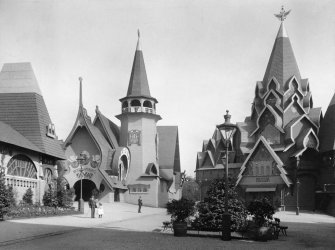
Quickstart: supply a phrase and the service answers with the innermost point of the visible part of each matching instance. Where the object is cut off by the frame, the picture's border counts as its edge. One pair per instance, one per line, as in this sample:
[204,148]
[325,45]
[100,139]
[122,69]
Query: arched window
[147,104]
[21,165]
[125,104]
[135,103]
[48,175]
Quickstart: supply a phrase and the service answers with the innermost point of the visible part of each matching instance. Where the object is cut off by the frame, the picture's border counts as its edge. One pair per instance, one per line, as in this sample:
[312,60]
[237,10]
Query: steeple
[138,83]
[282,64]
[80,92]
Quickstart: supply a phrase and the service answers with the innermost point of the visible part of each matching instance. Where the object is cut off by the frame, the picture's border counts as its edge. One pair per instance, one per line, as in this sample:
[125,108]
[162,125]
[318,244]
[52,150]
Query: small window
[51,130]
[147,104]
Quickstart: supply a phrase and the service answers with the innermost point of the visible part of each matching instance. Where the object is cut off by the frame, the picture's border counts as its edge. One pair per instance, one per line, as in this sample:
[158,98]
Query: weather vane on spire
[282,15]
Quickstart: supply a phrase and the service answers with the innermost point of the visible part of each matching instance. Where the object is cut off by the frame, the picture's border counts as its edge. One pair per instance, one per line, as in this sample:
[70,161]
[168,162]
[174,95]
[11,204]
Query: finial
[138,47]
[96,108]
[80,91]
[282,15]
[227,117]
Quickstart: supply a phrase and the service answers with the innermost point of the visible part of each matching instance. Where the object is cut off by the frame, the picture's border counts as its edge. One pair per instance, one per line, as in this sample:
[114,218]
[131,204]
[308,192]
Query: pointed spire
[138,83]
[282,63]
[80,92]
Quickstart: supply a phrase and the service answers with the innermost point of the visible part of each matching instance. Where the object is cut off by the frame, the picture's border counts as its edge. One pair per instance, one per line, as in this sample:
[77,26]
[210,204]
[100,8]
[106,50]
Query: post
[226,215]
[297,209]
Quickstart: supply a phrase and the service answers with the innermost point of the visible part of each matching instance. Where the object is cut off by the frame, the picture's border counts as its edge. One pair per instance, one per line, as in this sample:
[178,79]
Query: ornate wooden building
[275,150]
[29,147]
[122,163]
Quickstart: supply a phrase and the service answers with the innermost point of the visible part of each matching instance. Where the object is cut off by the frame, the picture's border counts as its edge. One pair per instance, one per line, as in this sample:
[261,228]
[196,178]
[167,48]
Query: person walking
[139,204]
[100,210]
[92,205]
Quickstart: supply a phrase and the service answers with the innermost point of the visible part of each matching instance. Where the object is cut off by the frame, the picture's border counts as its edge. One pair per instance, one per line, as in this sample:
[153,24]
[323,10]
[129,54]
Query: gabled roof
[111,129]
[276,158]
[23,108]
[327,131]
[168,148]
[138,83]
[282,63]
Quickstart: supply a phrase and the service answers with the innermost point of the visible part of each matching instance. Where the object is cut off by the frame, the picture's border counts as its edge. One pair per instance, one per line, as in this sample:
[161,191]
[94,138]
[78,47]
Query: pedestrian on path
[139,204]
[100,210]
[92,205]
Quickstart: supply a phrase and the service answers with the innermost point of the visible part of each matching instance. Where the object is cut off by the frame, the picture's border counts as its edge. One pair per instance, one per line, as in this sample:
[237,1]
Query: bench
[167,225]
[282,229]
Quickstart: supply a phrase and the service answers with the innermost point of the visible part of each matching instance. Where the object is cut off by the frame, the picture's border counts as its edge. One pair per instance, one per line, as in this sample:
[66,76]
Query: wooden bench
[282,229]
[167,225]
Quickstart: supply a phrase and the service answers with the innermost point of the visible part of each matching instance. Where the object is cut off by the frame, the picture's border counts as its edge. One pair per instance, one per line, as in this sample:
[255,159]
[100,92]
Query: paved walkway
[307,229]
[120,216]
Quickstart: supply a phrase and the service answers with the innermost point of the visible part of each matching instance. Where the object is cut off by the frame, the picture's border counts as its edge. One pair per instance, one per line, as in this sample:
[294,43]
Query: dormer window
[51,130]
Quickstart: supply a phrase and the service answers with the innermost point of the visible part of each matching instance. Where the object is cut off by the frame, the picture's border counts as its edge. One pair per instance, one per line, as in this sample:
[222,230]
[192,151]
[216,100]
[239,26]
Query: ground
[123,228]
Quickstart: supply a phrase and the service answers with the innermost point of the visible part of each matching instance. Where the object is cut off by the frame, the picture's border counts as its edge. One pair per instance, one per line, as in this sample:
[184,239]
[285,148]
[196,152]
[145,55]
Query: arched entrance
[88,187]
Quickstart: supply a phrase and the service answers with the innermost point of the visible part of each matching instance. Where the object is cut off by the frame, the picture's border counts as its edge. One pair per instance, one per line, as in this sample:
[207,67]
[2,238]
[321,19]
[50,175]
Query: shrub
[28,196]
[50,198]
[210,212]
[180,210]
[262,210]
[6,196]
[64,195]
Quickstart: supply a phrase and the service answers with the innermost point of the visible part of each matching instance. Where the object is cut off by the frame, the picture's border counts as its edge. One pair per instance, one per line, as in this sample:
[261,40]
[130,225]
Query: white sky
[202,57]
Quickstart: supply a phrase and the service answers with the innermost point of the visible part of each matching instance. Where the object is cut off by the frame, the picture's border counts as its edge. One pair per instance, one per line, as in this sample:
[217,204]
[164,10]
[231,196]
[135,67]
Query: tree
[64,194]
[211,210]
[28,196]
[6,196]
[50,197]
[262,210]
[190,190]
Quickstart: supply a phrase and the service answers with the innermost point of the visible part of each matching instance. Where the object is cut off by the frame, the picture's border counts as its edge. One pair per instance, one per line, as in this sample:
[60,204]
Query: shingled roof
[138,83]
[168,150]
[23,108]
[327,132]
[282,63]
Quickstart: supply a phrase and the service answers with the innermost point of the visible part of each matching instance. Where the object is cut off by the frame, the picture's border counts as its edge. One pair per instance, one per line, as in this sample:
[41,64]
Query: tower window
[147,104]
[125,104]
[135,103]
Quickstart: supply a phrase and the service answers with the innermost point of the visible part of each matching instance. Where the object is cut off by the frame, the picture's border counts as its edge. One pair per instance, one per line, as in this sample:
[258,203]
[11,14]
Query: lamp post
[81,201]
[227,130]
[297,209]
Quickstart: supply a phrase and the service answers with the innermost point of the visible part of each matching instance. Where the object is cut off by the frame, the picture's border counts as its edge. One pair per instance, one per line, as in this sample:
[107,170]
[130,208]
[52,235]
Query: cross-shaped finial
[282,15]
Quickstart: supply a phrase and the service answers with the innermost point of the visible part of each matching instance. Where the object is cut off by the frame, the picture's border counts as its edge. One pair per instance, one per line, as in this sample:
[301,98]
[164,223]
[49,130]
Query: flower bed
[31,211]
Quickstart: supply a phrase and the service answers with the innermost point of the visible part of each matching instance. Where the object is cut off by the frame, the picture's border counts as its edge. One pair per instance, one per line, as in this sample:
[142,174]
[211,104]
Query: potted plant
[180,211]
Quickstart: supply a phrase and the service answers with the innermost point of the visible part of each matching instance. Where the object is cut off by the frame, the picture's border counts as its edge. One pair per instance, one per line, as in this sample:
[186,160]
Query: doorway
[88,187]
[116,195]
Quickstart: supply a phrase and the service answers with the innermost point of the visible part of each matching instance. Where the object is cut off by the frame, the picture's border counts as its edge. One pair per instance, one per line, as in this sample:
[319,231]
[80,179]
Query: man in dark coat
[139,204]
[92,205]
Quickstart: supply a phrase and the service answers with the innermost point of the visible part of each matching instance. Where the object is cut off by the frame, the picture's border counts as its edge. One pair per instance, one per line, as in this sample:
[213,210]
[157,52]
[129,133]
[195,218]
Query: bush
[262,210]
[180,210]
[28,196]
[64,195]
[210,212]
[50,198]
[6,196]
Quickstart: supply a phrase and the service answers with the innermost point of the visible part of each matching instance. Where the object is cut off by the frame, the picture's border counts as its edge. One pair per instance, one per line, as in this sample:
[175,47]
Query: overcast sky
[201,57]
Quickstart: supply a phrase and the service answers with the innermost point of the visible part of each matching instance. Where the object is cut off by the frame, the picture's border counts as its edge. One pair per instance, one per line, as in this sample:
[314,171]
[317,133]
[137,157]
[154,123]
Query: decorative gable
[262,166]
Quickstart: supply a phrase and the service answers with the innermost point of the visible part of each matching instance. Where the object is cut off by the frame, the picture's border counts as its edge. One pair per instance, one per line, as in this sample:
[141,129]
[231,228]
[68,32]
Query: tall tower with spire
[138,127]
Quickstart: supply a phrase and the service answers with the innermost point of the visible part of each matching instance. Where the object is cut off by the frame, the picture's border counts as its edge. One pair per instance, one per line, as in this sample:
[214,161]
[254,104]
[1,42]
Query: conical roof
[282,63]
[138,83]
[327,132]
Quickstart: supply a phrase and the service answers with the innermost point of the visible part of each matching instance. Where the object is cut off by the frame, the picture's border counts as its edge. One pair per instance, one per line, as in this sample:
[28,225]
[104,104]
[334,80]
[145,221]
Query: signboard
[134,137]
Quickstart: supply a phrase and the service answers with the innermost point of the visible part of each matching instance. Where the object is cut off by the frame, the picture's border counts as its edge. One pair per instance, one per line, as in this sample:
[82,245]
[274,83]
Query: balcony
[138,109]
